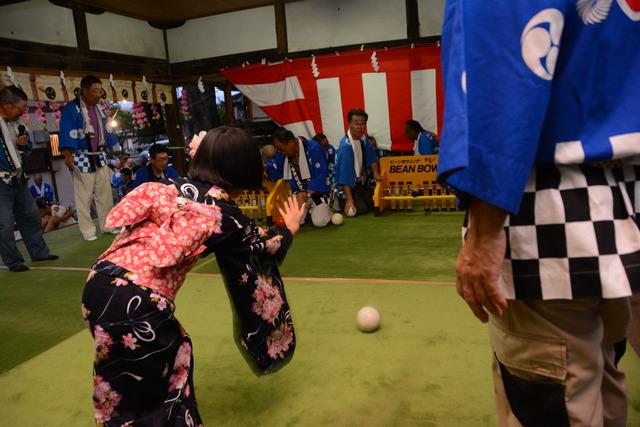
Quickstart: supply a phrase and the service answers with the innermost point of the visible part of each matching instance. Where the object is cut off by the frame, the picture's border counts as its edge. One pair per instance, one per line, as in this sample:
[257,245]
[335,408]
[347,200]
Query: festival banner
[49,88]
[163,94]
[124,90]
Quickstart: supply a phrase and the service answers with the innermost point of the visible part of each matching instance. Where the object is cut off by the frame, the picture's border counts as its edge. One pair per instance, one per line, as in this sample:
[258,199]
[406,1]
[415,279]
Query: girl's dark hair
[229,158]
[319,136]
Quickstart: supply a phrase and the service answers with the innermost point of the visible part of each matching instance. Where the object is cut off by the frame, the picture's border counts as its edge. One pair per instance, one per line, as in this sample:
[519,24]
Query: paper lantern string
[144,83]
[314,67]
[112,82]
[62,78]
[374,62]
[200,85]
[12,77]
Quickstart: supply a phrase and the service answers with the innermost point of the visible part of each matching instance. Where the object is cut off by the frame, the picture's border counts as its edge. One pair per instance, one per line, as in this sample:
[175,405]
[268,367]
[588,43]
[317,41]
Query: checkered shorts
[575,235]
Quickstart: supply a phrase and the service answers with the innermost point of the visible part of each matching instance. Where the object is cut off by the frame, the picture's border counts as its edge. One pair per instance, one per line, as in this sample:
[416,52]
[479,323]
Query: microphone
[21,131]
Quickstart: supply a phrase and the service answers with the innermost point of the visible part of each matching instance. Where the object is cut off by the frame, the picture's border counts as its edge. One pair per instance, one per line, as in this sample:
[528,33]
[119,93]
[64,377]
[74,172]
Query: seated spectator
[158,168]
[426,142]
[54,216]
[374,145]
[330,153]
[131,164]
[41,189]
[124,183]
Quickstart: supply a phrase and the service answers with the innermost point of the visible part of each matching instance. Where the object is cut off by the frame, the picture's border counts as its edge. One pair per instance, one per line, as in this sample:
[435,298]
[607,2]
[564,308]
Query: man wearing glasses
[158,168]
[85,136]
[16,204]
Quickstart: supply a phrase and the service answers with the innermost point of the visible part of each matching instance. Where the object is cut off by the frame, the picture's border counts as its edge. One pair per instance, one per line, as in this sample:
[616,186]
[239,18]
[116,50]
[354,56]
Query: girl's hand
[292,214]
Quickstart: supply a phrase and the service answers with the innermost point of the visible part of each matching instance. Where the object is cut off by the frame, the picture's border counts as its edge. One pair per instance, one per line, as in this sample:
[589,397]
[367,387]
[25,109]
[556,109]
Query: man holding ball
[355,163]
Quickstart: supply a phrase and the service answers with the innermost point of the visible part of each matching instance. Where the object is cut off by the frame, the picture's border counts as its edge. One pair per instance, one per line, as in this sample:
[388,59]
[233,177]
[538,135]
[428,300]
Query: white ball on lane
[368,319]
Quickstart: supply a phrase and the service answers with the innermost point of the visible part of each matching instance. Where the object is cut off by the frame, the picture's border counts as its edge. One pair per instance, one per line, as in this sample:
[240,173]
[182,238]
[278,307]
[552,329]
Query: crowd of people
[327,179]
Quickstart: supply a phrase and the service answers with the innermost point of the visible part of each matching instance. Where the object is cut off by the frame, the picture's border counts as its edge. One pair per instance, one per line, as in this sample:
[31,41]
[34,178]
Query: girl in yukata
[143,357]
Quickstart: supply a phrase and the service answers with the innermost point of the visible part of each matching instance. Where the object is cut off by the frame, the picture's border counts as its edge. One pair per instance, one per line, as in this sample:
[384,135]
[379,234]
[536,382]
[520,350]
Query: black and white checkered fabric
[82,162]
[575,235]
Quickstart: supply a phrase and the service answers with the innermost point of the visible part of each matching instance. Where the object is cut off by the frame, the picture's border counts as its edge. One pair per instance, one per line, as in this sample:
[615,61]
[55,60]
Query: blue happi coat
[344,169]
[72,136]
[536,82]
[316,157]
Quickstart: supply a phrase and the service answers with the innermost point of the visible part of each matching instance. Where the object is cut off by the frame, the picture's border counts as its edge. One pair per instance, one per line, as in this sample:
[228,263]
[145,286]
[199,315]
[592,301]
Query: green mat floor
[429,364]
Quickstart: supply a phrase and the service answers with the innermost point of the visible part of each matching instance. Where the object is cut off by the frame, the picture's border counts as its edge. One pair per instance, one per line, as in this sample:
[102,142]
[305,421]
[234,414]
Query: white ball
[337,219]
[350,211]
[368,319]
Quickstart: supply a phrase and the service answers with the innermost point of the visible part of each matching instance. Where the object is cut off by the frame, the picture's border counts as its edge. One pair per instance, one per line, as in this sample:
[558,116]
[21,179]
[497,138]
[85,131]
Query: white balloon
[368,319]
[350,211]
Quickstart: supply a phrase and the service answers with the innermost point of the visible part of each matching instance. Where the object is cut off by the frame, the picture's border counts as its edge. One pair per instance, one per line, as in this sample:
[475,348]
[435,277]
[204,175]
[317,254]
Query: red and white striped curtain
[314,95]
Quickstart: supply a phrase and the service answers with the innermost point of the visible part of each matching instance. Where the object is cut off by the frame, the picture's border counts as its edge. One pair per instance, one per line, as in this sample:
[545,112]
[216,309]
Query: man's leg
[360,199]
[29,223]
[104,196]
[83,188]
[8,249]
[615,314]
[549,362]
[633,331]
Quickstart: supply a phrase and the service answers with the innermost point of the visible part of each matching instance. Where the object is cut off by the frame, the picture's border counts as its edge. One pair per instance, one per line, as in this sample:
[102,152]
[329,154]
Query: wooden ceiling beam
[44,56]
[169,12]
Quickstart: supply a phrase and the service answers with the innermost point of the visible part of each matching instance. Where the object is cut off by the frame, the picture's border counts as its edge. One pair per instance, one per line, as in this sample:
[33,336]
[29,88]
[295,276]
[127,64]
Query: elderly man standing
[16,204]
[552,250]
[85,136]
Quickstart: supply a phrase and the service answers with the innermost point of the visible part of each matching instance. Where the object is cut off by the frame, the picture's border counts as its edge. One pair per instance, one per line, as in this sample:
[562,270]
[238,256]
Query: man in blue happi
[158,168]
[426,142]
[330,155]
[17,207]
[40,189]
[355,164]
[303,163]
[552,248]
[85,136]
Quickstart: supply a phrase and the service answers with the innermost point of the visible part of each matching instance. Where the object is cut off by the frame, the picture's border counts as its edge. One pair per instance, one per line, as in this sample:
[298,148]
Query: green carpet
[40,308]
[410,246]
[429,364]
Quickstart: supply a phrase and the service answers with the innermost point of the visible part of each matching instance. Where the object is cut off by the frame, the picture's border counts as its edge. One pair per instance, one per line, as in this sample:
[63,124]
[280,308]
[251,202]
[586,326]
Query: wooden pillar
[413,21]
[174,132]
[281,28]
[82,34]
[228,103]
